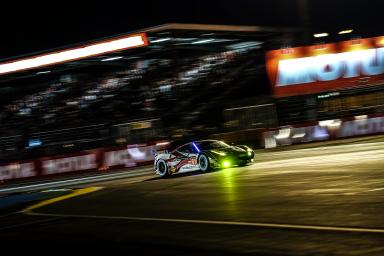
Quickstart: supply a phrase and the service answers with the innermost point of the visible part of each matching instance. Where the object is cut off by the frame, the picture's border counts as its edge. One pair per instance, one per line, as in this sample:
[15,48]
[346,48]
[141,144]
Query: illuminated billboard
[326,67]
[81,52]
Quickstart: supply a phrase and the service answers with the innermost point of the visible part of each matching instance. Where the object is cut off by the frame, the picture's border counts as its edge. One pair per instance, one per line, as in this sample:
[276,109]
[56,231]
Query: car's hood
[229,150]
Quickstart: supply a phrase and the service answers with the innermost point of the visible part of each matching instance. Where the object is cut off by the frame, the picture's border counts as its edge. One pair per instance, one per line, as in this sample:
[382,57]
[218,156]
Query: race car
[202,155]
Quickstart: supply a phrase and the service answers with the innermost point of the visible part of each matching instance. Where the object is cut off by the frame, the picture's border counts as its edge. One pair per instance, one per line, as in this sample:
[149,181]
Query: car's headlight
[226,164]
[249,152]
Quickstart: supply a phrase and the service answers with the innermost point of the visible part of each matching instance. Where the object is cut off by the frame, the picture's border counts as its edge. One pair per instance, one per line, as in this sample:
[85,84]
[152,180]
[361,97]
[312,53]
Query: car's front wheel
[162,168]
[204,163]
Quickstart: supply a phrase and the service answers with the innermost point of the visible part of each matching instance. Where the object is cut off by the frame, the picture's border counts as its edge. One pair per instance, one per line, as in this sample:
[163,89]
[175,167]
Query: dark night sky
[34,26]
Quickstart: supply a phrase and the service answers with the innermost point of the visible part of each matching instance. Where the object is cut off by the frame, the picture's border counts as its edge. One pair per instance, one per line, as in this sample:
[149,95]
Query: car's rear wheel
[204,163]
[162,168]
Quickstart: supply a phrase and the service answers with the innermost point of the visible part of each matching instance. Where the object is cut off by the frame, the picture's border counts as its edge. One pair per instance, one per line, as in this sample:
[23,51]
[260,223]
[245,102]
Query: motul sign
[314,69]
[69,164]
[329,67]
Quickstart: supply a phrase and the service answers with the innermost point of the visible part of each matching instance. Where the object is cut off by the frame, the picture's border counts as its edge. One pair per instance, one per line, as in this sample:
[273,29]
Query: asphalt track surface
[327,200]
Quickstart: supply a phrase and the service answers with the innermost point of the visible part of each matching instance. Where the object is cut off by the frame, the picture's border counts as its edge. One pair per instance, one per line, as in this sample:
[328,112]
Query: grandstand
[176,80]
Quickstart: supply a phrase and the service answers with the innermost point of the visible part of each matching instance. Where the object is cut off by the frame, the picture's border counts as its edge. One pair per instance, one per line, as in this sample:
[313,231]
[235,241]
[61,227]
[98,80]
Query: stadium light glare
[112,58]
[254,44]
[43,72]
[203,41]
[321,35]
[208,34]
[184,39]
[161,40]
[347,31]
[74,54]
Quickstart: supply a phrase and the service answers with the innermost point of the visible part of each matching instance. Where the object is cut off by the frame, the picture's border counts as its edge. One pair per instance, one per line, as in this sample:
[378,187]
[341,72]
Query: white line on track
[74,181]
[331,159]
[349,146]
[214,222]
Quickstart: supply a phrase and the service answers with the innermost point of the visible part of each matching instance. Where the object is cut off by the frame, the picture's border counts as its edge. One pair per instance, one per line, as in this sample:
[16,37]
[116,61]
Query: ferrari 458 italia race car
[202,155]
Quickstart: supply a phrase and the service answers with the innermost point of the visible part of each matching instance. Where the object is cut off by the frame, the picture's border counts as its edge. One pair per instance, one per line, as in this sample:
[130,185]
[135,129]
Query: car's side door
[188,154]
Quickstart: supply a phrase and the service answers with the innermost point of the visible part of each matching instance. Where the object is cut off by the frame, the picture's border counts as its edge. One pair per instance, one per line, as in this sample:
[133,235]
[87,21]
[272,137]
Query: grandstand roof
[157,41]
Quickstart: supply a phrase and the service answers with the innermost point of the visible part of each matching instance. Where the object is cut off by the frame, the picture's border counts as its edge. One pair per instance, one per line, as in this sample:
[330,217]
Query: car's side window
[187,149]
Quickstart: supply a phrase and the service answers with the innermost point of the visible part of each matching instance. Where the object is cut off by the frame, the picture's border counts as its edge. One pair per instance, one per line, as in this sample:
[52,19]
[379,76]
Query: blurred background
[190,80]
[90,92]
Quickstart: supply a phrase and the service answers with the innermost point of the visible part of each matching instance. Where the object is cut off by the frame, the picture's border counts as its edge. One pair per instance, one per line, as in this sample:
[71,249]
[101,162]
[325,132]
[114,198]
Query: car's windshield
[209,144]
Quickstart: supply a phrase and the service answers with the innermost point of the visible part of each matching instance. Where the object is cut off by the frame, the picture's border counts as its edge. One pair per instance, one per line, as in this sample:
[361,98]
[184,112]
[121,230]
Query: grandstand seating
[177,91]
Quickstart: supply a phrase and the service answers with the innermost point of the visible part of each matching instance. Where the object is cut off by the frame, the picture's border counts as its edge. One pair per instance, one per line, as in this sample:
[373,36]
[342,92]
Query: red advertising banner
[102,159]
[65,164]
[326,67]
[17,170]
